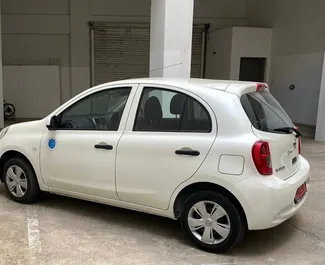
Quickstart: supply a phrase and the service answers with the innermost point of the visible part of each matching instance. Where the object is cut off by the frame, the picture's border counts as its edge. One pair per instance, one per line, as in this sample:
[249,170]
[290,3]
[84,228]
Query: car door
[168,135]
[79,156]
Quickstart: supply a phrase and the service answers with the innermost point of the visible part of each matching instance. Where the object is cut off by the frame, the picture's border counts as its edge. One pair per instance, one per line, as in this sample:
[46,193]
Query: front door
[168,135]
[79,157]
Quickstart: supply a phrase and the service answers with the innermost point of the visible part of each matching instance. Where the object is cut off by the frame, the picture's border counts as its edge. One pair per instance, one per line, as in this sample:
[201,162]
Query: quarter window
[264,112]
[171,111]
[100,111]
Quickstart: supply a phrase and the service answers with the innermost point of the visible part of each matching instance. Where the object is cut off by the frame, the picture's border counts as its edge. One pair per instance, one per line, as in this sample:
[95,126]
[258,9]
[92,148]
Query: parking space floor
[59,230]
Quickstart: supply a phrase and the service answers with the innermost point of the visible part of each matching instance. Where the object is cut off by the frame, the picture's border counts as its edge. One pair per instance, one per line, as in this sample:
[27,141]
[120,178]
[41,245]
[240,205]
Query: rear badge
[280,169]
[51,143]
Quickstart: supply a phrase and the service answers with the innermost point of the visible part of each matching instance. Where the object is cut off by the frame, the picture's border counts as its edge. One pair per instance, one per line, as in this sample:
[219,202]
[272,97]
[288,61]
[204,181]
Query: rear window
[264,112]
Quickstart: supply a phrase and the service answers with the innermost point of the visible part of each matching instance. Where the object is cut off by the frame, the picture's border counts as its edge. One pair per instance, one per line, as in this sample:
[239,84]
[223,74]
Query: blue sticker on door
[51,143]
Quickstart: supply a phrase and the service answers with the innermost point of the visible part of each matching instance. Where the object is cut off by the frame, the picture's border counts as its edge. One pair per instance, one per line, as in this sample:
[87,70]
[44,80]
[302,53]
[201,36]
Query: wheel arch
[206,186]
[7,156]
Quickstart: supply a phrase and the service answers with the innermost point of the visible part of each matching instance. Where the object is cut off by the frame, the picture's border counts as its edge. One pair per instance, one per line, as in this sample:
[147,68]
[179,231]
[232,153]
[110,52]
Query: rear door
[268,118]
[168,135]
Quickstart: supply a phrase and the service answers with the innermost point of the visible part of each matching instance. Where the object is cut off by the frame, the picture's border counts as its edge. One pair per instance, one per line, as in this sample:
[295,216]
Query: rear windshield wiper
[288,130]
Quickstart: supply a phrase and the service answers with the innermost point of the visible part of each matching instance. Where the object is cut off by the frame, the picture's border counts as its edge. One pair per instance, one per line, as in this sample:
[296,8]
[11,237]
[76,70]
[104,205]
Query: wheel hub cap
[16,181]
[209,222]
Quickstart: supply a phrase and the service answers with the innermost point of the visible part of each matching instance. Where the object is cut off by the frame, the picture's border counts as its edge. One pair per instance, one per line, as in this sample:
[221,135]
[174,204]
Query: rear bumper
[270,200]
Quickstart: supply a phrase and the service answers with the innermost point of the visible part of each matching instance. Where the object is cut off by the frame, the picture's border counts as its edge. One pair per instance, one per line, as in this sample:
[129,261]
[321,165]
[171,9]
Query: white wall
[320,129]
[298,46]
[304,71]
[227,46]
[250,42]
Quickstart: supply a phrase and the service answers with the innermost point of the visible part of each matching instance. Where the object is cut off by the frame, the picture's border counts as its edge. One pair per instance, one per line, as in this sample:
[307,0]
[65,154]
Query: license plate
[301,191]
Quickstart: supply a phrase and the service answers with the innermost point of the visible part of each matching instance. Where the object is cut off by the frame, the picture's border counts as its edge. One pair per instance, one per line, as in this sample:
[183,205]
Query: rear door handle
[187,152]
[103,146]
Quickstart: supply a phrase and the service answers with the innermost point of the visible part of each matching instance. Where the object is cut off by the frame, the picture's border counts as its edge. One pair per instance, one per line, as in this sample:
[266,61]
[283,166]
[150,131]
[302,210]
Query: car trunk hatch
[271,124]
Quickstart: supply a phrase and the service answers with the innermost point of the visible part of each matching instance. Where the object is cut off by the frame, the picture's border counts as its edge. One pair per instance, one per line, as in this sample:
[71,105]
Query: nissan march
[222,157]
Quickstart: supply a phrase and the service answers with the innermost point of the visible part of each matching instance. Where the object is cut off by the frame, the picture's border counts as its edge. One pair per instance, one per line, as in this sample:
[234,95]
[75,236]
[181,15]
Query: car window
[100,111]
[264,112]
[170,111]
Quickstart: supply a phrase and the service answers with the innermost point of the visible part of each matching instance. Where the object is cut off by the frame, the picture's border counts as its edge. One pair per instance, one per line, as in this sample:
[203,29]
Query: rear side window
[264,112]
[162,110]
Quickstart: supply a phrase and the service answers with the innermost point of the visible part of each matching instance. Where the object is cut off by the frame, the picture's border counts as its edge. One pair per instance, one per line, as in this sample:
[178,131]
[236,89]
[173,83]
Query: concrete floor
[59,230]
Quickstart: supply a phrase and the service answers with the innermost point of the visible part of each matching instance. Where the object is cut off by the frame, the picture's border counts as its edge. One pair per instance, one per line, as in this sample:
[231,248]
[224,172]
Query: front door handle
[103,146]
[187,152]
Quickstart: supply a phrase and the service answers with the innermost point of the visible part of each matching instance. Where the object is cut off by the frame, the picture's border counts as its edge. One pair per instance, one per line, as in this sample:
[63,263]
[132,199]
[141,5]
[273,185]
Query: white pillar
[79,46]
[320,124]
[1,77]
[171,38]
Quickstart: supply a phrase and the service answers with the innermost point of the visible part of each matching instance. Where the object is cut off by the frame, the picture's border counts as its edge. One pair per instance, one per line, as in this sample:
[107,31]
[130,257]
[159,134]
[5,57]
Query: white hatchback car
[220,156]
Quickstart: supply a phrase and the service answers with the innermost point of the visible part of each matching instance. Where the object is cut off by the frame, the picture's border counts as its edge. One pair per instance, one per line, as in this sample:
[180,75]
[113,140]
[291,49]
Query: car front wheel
[20,181]
[212,222]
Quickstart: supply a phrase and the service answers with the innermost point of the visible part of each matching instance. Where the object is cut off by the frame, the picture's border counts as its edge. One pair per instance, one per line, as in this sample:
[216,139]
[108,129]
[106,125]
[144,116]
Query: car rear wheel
[212,222]
[20,181]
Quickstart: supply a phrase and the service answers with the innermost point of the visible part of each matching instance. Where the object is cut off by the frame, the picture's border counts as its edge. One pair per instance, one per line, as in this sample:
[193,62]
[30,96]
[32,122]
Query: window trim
[62,111]
[161,88]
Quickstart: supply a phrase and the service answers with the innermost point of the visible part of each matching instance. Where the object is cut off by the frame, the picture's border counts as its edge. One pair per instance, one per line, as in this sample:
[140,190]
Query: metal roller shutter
[197,51]
[122,50]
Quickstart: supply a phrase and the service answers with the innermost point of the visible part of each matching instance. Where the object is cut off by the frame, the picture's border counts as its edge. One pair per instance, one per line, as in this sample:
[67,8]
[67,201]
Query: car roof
[190,83]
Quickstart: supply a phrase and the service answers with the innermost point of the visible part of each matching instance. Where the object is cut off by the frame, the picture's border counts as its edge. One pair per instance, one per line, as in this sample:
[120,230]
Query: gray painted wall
[44,32]
[1,82]
[298,46]
[37,32]
[219,54]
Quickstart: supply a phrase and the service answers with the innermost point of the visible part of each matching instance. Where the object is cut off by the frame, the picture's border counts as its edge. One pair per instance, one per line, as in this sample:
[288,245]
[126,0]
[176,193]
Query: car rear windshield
[264,112]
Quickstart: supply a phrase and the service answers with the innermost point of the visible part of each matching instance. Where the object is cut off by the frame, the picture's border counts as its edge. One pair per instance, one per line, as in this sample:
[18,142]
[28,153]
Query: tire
[19,168]
[226,214]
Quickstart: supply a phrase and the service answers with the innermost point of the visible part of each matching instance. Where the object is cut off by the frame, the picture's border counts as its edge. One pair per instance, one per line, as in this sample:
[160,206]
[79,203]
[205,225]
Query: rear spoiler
[240,89]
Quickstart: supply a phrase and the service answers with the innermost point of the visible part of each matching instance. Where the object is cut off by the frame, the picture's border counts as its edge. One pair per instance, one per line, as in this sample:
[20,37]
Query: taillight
[260,87]
[262,158]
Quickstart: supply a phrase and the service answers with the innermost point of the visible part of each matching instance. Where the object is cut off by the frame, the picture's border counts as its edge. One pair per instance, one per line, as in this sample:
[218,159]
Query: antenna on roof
[153,70]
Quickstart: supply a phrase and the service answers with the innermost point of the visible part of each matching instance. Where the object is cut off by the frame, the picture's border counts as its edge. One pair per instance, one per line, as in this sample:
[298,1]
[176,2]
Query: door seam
[123,132]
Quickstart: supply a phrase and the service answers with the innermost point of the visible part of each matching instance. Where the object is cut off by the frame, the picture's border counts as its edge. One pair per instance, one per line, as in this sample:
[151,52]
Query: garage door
[122,50]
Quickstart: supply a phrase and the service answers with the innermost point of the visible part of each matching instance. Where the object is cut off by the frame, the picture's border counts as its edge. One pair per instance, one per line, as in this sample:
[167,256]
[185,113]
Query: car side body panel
[25,138]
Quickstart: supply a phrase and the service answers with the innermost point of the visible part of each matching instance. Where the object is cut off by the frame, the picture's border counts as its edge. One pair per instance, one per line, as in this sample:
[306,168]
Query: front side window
[264,112]
[100,111]
[171,111]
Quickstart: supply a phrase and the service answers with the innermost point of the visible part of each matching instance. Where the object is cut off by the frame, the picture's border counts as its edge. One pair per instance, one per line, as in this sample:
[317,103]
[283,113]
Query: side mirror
[52,123]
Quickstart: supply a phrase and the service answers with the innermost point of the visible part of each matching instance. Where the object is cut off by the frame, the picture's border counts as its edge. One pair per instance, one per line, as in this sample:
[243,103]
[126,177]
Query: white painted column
[171,38]
[320,124]
[1,77]
[79,46]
